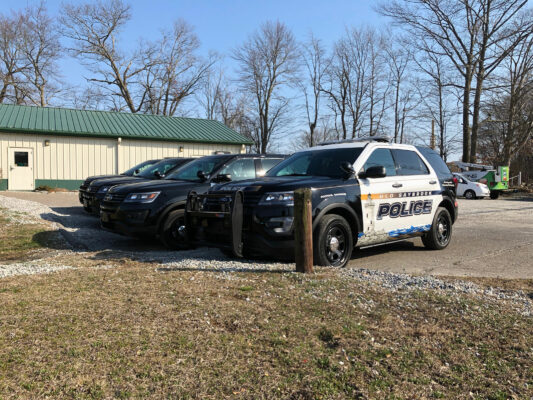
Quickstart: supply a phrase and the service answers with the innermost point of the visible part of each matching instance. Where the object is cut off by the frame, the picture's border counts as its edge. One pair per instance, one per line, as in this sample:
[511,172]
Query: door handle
[432,182]
[397,185]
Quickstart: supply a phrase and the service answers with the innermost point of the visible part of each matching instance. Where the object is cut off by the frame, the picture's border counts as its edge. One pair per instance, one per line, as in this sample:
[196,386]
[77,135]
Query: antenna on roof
[381,139]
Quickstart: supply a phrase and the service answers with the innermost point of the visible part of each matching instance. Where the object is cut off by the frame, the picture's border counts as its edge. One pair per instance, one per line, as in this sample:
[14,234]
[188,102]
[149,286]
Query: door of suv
[402,202]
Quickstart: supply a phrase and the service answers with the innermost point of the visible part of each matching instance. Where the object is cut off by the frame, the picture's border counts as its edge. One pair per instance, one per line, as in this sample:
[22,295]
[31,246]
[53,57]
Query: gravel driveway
[492,238]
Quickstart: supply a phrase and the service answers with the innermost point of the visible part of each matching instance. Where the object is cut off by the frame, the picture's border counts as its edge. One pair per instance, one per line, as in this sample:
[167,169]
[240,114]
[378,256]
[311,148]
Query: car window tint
[409,163]
[438,164]
[267,163]
[381,157]
[240,169]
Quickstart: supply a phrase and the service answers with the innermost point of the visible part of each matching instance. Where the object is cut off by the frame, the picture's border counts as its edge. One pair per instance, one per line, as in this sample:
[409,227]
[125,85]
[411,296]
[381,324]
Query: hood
[153,185]
[281,184]
[93,178]
[112,181]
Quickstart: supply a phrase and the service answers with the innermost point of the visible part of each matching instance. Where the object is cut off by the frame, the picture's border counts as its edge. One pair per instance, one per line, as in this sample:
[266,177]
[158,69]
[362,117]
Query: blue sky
[221,25]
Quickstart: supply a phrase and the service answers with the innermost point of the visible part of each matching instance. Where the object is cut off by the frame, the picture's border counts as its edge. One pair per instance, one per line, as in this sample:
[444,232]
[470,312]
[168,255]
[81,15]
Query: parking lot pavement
[492,238]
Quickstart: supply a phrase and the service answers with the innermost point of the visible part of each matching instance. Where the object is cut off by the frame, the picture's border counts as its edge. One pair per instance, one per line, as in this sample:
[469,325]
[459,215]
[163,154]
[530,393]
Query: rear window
[438,164]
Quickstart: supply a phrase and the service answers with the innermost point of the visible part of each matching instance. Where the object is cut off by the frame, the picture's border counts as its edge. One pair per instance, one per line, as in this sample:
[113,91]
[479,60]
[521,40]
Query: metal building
[60,147]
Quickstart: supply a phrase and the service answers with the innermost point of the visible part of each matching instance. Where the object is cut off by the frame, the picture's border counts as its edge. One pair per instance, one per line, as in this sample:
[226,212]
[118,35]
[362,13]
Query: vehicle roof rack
[381,139]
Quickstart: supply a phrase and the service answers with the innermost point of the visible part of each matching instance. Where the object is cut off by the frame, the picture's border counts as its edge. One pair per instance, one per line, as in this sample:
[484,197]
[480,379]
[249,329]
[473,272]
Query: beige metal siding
[74,158]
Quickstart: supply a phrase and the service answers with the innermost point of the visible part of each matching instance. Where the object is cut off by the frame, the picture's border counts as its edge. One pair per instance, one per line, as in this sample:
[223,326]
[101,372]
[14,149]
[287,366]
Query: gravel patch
[405,282]
[30,268]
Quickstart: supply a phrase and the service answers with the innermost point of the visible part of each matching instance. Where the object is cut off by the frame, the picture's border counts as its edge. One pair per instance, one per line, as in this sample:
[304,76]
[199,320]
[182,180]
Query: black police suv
[363,193]
[130,172]
[156,208]
[98,188]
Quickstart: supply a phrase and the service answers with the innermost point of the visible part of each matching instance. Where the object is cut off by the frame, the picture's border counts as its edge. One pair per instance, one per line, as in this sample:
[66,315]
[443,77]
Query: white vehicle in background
[470,190]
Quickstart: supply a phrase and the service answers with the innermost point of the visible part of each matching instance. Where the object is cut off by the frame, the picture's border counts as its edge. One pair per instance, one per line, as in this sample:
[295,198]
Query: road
[491,238]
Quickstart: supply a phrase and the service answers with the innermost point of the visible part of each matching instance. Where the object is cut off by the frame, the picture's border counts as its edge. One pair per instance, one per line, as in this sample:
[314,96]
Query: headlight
[104,189]
[286,198]
[142,197]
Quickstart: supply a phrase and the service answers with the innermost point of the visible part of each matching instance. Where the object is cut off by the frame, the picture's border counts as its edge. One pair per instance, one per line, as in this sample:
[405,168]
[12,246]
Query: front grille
[114,197]
[252,198]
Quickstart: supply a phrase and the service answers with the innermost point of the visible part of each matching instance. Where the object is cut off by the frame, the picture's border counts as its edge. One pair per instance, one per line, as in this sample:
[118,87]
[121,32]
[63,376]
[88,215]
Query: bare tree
[176,72]
[12,61]
[41,49]
[93,29]
[268,61]
[509,123]
[466,32]
[315,61]
[337,85]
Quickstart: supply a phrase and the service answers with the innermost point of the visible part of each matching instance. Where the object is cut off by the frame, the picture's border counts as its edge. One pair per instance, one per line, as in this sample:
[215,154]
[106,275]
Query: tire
[494,194]
[332,241]
[470,194]
[169,234]
[440,234]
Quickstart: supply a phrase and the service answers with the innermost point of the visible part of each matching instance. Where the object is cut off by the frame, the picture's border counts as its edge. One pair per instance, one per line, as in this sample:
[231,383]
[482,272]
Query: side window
[409,163]
[381,157]
[267,163]
[240,169]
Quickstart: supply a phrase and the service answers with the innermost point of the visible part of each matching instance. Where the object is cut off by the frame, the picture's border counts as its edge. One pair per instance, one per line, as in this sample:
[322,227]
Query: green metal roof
[105,124]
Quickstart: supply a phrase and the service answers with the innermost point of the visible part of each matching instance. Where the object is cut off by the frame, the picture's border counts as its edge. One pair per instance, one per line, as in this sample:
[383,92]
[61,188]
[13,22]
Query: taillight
[455,182]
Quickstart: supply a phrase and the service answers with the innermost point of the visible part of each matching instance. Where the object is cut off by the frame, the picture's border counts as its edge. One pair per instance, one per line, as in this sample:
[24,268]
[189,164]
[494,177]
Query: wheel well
[349,217]
[165,213]
[447,204]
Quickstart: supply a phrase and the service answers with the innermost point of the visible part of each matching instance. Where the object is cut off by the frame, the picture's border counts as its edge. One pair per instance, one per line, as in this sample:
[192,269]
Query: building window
[21,158]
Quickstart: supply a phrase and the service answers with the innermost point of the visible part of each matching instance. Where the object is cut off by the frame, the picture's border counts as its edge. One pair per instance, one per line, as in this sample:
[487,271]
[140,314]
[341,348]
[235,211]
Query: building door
[20,170]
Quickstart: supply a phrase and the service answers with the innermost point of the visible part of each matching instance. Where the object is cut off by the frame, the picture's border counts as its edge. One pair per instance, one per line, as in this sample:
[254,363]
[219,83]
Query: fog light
[280,224]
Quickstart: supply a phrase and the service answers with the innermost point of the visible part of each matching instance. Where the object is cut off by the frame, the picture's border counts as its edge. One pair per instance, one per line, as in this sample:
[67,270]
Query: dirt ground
[492,238]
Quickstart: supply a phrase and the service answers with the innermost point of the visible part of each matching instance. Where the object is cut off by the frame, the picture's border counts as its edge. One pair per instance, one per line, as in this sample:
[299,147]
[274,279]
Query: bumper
[128,222]
[91,202]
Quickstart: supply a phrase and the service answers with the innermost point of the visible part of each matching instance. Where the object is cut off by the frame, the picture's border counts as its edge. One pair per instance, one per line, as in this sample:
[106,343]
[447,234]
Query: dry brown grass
[134,331]
[131,330]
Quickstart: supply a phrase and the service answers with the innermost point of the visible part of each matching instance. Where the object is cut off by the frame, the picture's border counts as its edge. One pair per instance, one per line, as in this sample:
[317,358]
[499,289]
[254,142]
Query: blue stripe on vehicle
[407,231]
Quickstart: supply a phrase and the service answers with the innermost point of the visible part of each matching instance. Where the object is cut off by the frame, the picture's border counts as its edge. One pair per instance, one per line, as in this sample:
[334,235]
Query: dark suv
[156,208]
[98,188]
[363,193]
[130,172]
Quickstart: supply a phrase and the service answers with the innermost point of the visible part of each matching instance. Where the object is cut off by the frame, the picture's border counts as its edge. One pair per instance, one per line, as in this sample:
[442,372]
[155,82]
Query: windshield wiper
[295,174]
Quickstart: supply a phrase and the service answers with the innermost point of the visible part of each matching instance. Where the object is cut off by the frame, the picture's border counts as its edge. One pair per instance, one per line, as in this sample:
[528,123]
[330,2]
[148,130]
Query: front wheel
[172,234]
[332,241]
[470,195]
[439,235]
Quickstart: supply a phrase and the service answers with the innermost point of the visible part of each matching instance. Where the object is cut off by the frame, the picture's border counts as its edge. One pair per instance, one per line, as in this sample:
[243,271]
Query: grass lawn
[132,331]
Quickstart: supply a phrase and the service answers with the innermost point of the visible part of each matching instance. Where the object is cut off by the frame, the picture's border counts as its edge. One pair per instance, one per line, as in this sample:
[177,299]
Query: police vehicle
[364,192]
[156,208]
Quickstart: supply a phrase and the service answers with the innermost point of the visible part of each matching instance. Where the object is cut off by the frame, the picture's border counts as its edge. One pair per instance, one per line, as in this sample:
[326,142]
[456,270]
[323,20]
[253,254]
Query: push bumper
[126,222]
[231,226]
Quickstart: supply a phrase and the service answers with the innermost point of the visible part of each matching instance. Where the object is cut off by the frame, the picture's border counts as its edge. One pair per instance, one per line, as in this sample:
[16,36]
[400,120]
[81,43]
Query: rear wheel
[332,241]
[172,233]
[494,194]
[470,194]
[439,235]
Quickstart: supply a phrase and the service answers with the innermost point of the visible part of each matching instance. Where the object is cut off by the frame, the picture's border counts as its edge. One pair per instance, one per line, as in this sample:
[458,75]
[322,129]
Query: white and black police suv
[364,192]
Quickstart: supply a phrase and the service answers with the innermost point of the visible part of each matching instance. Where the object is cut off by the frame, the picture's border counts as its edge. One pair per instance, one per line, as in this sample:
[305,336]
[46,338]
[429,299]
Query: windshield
[190,171]
[317,163]
[141,167]
[162,167]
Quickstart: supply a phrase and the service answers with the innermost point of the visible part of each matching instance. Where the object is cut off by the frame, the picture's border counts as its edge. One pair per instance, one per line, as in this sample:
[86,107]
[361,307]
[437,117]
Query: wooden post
[303,230]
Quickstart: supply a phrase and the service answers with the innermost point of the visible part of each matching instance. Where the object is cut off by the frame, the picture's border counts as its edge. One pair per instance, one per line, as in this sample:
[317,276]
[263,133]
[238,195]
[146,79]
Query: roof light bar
[382,139]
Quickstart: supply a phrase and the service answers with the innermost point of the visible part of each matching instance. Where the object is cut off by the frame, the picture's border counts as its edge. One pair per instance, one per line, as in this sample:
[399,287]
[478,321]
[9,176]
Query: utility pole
[432,142]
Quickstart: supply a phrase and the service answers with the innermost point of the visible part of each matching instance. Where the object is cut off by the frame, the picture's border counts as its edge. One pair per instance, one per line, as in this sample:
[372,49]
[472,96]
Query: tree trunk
[466,115]
[475,116]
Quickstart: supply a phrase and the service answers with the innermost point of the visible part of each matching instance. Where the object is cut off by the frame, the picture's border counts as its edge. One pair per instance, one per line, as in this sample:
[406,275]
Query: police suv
[364,192]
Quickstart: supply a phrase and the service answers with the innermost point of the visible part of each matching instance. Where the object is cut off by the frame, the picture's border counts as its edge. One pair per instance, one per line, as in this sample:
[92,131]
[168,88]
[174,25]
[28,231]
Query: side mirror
[136,171]
[158,174]
[220,178]
[347,168]
[377,171]
[201,175]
